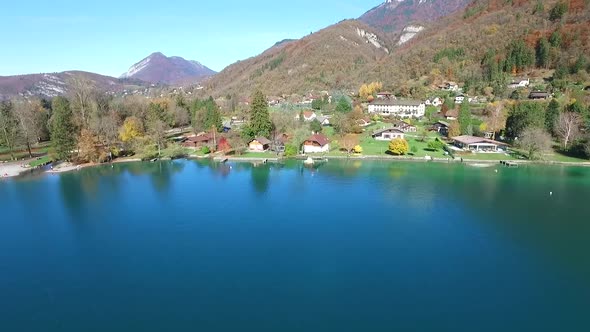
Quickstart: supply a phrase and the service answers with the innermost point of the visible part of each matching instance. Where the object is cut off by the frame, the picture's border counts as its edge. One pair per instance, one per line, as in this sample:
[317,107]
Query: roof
[308,114]
[397,102]
[262,140]
[200,138]
[444,123]
[539,94]
[380,131]
[319,138]
[321,119]
[384,93]
[468,140]
[402,124]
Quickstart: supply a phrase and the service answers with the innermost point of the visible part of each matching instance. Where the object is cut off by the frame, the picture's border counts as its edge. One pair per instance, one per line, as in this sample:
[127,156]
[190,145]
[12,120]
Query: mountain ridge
[158,68]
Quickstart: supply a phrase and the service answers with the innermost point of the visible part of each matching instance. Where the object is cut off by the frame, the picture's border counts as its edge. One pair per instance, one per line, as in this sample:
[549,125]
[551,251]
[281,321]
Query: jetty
[508,163]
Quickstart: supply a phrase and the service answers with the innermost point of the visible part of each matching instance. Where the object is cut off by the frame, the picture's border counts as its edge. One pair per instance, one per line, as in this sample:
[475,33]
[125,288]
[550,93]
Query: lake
[345,246]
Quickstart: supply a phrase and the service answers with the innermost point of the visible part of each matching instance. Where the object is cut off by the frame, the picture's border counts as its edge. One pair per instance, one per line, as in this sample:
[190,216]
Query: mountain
[395,15]
[331,58]
[158,68]
[55,84]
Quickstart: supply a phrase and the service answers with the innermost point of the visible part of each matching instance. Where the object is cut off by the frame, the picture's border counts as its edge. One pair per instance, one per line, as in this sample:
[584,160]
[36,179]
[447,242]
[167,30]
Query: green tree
[260,124]
[315,126]
[558,11]
[580,64]
[63,131]
[543,53]
[520,57]
[465,119]
[551,115]
[436,145]
[343,105]
[525,115]
[555,39]
[399,146]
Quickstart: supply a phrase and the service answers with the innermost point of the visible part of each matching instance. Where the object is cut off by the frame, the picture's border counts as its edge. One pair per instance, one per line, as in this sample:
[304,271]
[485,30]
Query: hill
[54,84]
[158,68]
[395,15]
[332,58]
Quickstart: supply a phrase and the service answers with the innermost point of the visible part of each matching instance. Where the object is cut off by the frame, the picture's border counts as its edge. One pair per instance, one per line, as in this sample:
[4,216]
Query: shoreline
[14,170]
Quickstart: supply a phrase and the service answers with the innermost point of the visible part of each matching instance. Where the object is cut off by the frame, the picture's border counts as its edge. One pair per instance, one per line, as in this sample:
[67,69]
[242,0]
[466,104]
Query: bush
[205,150]
[290,150]
[358,149]
[399,146]
[558,11]
[436,145]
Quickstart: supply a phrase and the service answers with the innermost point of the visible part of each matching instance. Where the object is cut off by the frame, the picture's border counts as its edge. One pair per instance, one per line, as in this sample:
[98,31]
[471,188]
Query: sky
[108,36]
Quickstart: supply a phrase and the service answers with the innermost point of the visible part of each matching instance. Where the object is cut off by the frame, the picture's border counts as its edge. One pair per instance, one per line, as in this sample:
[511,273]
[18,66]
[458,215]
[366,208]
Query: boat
[308,161]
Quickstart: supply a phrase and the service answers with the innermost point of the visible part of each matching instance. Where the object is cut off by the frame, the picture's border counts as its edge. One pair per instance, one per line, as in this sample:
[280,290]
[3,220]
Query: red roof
[320,139]
[201,138]
[308,114]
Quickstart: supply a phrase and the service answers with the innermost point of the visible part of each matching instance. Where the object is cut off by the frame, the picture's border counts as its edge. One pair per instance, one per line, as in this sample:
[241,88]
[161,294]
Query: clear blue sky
[108,36]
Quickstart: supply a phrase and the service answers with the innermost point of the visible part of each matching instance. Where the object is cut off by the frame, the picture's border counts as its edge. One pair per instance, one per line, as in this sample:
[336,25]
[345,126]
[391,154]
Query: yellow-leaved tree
[399,146]
[132,128]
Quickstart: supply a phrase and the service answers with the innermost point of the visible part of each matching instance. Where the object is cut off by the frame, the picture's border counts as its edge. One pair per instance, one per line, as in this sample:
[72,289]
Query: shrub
[399,146]
[205,150]
[290,150]
[358,149]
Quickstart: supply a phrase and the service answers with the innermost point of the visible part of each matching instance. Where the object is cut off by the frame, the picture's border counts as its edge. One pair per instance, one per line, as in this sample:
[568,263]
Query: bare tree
[348,142]
[9,133]
[31,120]
[82,93]
[567,127]
[536,142]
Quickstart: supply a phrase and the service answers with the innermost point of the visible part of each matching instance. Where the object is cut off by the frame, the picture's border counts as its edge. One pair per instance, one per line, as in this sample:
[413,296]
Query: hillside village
[526,99]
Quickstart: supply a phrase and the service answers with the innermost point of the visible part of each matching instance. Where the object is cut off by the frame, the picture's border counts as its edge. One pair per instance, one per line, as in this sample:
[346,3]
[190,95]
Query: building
[198,141]
[441,127]
[436,102]
[385,95]
[388,134]
[450,86]
[539,95]
[460,99]
[259,144]
[404,127]
[308,116]
[364,122]
[477,144]
[317,143]
[324,120]
[400,108]
[519,83]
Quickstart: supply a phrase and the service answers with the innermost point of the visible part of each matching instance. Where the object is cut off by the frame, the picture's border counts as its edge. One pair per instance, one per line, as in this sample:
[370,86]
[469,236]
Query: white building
[519,83]
[401,108]
[317,143]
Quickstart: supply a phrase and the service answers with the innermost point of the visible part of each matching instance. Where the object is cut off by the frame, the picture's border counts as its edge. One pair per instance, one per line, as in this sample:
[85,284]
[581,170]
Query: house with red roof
[317,143]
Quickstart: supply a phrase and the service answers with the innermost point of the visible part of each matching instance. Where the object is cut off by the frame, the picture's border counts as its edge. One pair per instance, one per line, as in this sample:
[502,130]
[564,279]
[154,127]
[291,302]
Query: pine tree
[543,53]
[260,124]
[465,119]
[551,115]
[63,131]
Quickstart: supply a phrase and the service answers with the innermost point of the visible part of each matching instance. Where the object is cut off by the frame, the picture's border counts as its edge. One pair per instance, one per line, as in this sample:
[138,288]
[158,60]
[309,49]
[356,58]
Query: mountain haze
[158,68]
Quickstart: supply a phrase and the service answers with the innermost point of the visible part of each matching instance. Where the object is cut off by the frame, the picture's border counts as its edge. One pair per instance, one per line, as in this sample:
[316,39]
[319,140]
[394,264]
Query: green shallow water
[349,246]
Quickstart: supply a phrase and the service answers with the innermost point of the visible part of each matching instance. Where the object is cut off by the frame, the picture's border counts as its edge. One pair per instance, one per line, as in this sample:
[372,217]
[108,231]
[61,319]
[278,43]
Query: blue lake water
[348,246]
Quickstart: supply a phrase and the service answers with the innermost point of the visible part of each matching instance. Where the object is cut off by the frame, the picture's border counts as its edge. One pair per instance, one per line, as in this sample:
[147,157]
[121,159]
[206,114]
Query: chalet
[460,99]
[317,143]
[450,86]
[441,127]
[259,144]
[385,95]
[388,134]
[436,102]
[308,116]
[364,122]
[452,114]
[539,95]
[404,127]
[198,141]
[519,83]
[477,144]
[324,120]
[279,142]
[400,108]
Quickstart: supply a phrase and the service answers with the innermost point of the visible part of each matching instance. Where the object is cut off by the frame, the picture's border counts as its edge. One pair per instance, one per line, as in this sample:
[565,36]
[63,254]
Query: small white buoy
[550,193]
[496,170]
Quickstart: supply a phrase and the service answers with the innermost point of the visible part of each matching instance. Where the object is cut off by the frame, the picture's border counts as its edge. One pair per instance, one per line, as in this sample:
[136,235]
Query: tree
[423,135]
[399,146]
[567,127]
[543,53]
[552,115]
[260,124]
[524,115]
[81,92]
[315,126]
[343,106]
[436,145]
[465,119]
[430,112]
[132,128]
[348,142]
[342,124]
[31,119]
[9,132]
[558,11]
[454,129]
[87,150]
[555,39]
[535,141]
[63,130]
[520,57]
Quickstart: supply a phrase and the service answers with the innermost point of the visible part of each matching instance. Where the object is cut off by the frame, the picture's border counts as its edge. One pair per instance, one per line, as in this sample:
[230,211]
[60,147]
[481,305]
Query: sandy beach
[13,168]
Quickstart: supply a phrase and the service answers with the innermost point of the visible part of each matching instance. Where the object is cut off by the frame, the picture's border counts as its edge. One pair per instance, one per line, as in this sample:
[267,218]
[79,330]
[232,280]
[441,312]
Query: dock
[508,163]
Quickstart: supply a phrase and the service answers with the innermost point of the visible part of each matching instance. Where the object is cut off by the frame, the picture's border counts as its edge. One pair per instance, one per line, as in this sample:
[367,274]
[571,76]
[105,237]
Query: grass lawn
[40,161]
[487,156]
[248,154]
[556,156]
[374,147]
